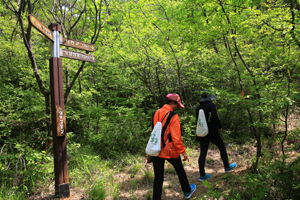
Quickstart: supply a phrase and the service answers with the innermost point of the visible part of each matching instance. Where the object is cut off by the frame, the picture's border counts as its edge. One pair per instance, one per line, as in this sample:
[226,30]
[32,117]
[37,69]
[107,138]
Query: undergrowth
[99,178]
[276,179]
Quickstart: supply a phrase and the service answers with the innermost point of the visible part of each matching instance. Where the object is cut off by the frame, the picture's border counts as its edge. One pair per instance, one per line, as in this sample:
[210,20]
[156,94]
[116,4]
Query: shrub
[276,180]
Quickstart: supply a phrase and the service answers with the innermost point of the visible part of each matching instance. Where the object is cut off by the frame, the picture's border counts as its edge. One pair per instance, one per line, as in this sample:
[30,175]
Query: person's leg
[177,164]
[158,165]
[218,141]
[204,143]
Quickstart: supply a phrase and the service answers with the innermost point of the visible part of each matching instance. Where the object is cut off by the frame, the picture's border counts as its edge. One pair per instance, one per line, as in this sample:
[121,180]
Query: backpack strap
[165,116]
[158,118]
[165,128]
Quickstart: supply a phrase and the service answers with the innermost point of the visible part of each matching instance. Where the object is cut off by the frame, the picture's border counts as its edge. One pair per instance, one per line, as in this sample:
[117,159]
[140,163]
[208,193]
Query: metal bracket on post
[55,49]
[57,44]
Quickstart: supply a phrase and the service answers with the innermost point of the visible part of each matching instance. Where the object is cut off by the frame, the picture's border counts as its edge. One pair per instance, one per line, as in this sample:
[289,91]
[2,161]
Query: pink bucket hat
[175,97]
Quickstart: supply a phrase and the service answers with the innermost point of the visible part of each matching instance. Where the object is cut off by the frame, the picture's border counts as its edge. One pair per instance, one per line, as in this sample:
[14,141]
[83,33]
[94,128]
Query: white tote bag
[154,143]
[202,129]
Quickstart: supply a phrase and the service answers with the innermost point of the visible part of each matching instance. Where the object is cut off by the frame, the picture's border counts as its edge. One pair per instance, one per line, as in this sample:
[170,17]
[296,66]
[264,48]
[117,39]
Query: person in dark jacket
[213,136]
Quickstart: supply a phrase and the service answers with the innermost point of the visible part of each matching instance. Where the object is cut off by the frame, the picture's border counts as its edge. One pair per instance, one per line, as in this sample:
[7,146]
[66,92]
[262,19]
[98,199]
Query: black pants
[158,164]
[204,143]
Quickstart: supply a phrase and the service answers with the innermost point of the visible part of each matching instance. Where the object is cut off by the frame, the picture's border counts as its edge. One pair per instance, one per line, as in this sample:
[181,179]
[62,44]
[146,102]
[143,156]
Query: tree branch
[12,9]
[78,18]
[276,29]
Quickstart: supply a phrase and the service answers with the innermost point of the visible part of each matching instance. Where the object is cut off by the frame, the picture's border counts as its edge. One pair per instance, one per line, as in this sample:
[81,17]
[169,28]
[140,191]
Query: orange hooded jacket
[174,148]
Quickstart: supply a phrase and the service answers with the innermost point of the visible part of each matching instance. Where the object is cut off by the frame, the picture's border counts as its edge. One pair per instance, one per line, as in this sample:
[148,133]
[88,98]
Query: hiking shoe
[189,194]
[230,168]
[205,177]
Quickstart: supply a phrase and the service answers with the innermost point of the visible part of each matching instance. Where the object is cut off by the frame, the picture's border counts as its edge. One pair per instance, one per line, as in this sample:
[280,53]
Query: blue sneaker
[230,168]
[205,177]
[189,194]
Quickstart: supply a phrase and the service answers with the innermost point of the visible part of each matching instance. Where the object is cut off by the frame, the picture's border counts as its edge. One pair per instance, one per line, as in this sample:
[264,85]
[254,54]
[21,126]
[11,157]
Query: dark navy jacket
[215,123]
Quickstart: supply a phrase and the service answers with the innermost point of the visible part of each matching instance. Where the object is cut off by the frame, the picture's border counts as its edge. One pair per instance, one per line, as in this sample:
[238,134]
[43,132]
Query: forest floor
[134,182]
[171,185]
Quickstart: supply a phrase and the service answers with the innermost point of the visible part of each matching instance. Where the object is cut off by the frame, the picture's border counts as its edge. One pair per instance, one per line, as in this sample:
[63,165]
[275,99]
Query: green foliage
[145,50]
[170,170]
[212,192]
[283,177]
[253,188]
[24,169]
[276,180]
[293,138]
[97,192]
[148,196]
[88,170]
[148,176]
[82,163]
[120,132]
[134,170]
[189,129]
[11,194]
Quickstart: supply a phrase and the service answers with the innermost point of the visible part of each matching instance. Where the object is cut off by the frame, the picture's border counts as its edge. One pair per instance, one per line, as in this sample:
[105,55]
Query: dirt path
[171,185]
[125,186]
[135,182]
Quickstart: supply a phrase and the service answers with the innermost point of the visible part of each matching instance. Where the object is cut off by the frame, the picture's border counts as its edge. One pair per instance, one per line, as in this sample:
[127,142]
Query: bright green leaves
[248,3]
[146,50]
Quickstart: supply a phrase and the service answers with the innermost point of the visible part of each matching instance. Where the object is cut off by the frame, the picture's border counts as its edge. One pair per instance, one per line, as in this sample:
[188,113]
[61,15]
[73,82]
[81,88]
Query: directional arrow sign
[40,27]
[78,45]
[77,56]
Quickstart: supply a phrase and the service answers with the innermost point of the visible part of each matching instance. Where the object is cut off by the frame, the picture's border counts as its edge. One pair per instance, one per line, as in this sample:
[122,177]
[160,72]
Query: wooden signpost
[58,113]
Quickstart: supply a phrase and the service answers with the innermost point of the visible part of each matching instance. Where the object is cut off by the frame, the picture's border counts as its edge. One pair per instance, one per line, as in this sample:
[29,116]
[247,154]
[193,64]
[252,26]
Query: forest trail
[171,185]
[138,186]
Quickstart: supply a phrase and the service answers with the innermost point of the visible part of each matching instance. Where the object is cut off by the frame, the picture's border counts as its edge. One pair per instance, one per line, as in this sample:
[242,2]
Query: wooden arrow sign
[78,45]
[77,56]
[40,27]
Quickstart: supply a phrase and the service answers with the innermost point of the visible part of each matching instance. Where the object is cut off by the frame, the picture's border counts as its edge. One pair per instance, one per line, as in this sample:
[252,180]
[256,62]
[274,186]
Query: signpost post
[62,188]
[58,113]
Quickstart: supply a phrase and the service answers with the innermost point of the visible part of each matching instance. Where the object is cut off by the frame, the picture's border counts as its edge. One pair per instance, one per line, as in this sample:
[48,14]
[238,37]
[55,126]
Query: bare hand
[220,130]
[185,157]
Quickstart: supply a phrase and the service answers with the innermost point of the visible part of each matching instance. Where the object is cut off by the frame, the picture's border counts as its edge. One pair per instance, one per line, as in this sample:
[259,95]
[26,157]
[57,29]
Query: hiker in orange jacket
[171,148]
